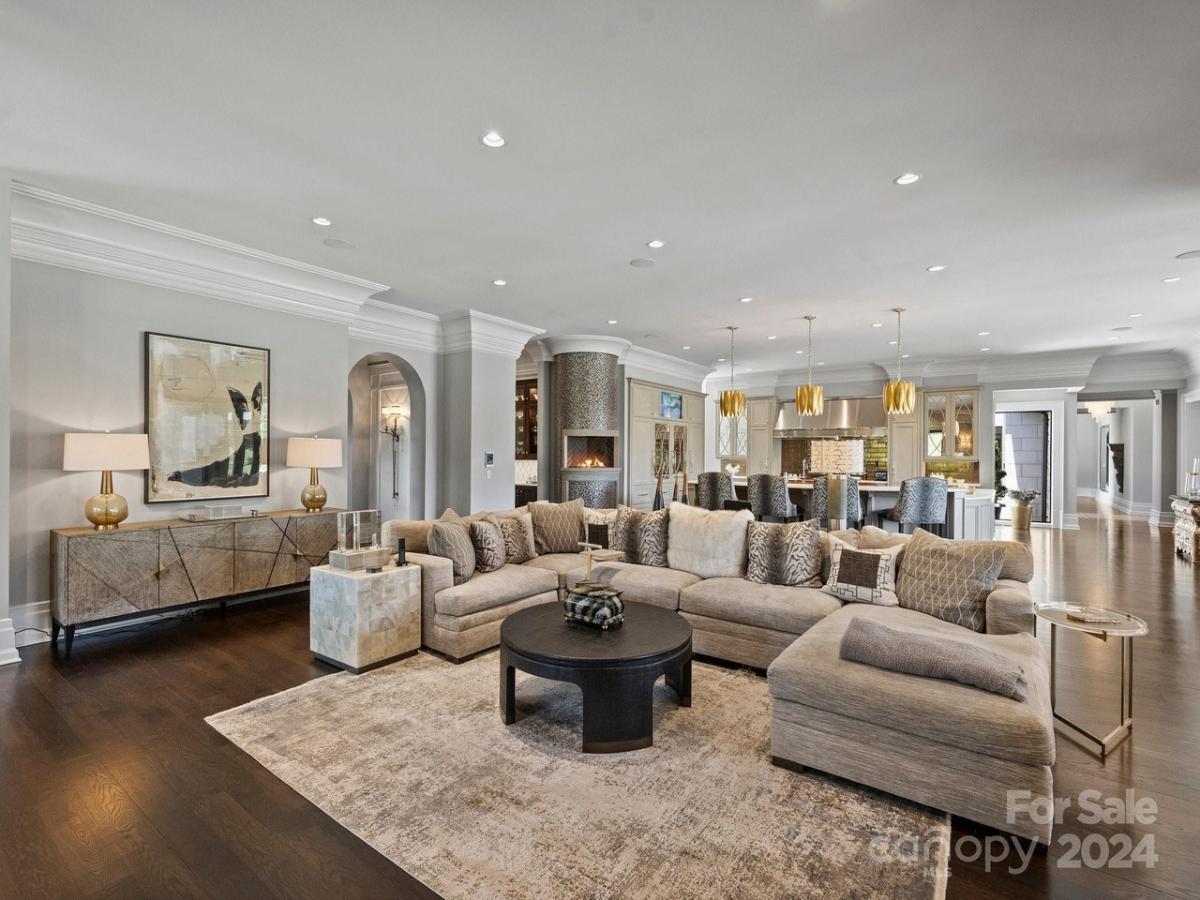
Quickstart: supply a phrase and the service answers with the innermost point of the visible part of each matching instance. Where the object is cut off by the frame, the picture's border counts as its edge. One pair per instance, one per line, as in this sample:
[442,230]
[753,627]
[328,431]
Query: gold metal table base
[1122,731]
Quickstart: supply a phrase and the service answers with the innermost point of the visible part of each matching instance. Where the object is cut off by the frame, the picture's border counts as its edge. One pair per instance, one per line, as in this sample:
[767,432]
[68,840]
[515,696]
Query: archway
[386,425]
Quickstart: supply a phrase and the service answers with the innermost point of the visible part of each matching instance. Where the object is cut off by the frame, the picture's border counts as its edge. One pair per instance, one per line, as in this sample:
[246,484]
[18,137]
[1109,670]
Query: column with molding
[8,645]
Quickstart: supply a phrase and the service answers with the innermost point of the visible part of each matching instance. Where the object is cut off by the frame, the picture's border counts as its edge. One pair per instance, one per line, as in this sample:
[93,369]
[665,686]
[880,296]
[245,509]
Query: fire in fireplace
[589,451]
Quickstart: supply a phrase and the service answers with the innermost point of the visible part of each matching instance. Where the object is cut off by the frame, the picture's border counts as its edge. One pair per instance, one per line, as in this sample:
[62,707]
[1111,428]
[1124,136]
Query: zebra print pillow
[784,554]
[517,539]
[489,545]
[641,536]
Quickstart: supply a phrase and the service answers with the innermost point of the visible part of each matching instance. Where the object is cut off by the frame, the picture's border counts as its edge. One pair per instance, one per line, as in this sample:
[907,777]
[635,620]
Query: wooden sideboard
[144,567]
[1186,531]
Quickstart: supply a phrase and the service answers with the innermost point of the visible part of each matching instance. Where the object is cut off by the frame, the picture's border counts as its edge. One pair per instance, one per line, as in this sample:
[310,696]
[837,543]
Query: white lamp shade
[837,457]
[315,453]
[95,452]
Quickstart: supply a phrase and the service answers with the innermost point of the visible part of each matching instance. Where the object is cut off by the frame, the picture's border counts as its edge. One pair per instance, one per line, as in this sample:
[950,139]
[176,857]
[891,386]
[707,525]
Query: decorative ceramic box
[594,604]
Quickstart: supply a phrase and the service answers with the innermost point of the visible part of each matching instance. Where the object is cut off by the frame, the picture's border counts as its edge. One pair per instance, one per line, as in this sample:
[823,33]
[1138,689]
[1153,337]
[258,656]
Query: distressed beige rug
[414,759]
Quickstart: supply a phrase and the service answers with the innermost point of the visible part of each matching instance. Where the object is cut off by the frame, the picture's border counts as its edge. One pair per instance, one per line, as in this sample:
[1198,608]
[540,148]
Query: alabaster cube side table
[361,620]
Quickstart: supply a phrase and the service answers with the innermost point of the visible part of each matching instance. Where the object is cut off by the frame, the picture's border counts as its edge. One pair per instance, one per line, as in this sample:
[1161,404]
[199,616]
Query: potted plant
[1001,490]
[1020,512]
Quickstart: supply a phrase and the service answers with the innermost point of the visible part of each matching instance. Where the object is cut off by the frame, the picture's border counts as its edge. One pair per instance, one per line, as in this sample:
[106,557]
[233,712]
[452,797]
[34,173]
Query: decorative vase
[1020,517]
[658,494]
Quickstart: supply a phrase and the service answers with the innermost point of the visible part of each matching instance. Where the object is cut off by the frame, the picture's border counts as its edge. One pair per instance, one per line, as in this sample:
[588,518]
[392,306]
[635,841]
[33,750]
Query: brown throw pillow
[450,541]
[641,536]
[784,554]
[557,527]
[862,576]
[950,579]
[518,543]
[488,540]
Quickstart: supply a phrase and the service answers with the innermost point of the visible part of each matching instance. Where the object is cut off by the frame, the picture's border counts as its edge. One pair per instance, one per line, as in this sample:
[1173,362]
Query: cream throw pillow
[948,579]
[862,576]
[708,543]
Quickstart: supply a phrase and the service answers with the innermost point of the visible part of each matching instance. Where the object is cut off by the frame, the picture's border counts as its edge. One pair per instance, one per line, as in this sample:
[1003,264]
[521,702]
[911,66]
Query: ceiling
[1059,145]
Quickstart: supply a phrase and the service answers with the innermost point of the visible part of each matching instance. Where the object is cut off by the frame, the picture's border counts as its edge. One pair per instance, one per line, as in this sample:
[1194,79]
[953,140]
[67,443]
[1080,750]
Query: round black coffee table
[615,669]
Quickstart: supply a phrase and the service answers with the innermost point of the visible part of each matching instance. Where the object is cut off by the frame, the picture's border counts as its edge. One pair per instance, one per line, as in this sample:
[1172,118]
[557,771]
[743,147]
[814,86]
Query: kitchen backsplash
[527,471]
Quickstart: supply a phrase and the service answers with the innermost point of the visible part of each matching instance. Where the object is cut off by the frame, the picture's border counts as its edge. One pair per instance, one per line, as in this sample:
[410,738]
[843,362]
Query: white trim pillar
[1164,458]
[8,643]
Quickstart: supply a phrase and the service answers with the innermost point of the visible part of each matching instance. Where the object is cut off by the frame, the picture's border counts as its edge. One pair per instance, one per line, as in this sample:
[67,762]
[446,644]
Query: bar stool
[713,489]
[922,503]
[768,496]
[819,502]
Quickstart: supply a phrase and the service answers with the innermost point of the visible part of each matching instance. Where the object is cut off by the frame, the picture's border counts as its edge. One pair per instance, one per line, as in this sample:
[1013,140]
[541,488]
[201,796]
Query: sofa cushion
[557,527]
[641,584]
[784,554]
[949,579]
[489,589]
[451,541]
[517,532]
[599,524]
[862,576]
[1018,558]
[812,673]
[488,541]
[774,606]
[708,543]
[562,565]
[640,535]
[849,536]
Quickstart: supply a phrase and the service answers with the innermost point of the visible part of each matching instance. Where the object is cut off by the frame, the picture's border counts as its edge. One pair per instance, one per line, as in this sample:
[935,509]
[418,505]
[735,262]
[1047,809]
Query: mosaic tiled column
[585,398]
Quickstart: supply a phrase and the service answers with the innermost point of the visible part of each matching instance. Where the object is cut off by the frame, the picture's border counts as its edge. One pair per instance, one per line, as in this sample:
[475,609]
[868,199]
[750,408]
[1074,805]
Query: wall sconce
[393,426]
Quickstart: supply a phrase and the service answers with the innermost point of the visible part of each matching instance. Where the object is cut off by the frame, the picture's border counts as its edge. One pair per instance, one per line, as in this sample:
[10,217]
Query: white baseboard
[1085,492]
[8,643]
[32,615]
[1160,519]
[1070,522]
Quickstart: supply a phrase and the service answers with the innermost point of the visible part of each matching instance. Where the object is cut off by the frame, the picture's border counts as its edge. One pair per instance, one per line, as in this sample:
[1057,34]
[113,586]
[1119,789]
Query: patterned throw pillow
[641,536]
[450,541]
[784,554]
[862,576]
[557,527]
[490,552]
[518,542]
[950,579]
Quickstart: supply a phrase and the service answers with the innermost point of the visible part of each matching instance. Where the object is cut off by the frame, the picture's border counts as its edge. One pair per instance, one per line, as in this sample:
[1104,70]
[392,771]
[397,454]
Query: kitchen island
[969,511]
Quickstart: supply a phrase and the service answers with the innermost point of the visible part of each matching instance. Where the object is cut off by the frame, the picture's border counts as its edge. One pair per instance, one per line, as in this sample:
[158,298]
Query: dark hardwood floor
[112,785]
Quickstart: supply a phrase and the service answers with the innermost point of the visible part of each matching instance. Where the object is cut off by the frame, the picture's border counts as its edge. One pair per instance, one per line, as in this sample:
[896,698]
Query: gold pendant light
[733,401]
[899,396]
[810,398]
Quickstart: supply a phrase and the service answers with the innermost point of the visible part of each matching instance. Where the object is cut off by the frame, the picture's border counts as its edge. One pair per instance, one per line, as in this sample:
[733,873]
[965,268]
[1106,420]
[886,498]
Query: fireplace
[591,466]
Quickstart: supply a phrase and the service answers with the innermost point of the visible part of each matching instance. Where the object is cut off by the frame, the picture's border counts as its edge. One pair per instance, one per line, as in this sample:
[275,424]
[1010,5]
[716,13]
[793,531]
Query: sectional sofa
[935,742]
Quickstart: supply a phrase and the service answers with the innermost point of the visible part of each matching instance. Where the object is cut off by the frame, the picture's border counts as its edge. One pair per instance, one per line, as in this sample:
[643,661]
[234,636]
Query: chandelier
[1098,408]
[810,398]
[733,401]
[899,396]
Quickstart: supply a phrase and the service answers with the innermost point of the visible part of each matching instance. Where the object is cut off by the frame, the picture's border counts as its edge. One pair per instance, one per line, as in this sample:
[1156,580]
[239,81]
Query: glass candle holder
[358,530]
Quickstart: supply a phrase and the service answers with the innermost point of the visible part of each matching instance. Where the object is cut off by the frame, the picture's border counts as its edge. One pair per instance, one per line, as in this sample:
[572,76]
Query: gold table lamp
[105,453]
[314,453]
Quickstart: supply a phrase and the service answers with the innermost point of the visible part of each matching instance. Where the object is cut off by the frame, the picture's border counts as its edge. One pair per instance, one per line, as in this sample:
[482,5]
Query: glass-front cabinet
[670,448]
[950,432]
[526,423]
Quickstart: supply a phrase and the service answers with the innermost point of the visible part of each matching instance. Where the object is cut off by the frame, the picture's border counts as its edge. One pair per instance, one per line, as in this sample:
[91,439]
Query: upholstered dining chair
[818,504]
[713,489]
[768,496]
[922,503]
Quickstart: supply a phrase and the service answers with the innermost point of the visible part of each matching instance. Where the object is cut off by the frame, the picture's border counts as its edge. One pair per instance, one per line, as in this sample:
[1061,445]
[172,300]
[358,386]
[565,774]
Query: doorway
[1024,453]
[387,437]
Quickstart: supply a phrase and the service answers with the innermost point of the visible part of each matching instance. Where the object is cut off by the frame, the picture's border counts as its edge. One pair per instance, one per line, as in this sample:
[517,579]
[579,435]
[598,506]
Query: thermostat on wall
[489,458]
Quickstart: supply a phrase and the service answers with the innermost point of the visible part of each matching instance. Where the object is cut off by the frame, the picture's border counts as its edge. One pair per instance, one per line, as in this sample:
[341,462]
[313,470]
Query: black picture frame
[151,427]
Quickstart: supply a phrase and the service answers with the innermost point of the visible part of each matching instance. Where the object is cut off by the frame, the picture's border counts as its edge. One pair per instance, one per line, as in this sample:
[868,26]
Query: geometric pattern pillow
[784,554]
[862,576]
[641,536]
[557,527]
[950,579]
[490,551]
[518,543]
[450,541]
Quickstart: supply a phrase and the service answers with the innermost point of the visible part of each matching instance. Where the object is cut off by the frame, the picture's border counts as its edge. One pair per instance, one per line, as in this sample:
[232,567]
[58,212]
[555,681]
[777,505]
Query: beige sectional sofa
[940,743]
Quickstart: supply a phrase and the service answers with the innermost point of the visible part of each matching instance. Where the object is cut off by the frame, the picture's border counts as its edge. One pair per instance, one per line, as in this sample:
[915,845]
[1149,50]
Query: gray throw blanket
[915,654]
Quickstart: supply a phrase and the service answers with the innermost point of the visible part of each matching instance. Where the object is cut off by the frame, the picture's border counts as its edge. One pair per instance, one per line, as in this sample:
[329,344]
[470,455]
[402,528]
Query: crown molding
[57,230]
[1162,369]
[397,326]
[473,330]
[587,343]
[667,367]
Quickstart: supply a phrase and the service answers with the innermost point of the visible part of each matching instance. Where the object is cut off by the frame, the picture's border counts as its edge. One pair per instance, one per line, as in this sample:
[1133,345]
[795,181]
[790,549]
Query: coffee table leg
[508,688]
[618,712]
[680,680]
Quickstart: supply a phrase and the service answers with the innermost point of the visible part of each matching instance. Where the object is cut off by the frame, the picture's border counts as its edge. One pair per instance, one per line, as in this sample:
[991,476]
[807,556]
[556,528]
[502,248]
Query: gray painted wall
[8,653]
[478,417]
[78,366]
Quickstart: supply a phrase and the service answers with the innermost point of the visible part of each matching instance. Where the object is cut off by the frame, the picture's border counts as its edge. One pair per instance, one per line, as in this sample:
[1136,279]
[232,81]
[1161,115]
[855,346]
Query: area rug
[414,759]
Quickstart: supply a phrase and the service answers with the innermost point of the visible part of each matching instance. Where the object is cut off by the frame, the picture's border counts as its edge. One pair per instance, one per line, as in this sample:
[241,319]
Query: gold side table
[1126,629]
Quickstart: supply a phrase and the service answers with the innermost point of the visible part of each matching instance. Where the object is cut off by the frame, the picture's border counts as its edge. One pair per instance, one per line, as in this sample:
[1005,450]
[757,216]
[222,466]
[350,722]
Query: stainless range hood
[842,417]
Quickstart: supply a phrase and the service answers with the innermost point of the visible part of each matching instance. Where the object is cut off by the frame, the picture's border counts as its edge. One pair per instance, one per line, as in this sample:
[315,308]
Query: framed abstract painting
[670,405]
[207,416]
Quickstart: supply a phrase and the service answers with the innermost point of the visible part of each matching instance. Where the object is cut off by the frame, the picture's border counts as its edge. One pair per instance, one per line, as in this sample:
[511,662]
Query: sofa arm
[437,574]
[1009,609]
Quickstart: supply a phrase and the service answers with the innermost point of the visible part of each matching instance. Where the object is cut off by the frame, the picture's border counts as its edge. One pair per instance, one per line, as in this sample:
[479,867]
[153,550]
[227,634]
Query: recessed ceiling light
[322,221]
[935,268]
[907,178]
[770,337]
[1135,315]
[687,346]
[820,364]
[876,324]
[799,352]
[654,244]
[338,244]
[612,321]
[1172,279]
[983,333]
[745,299]
[720,359]
[641,263]
[493,139]
[984,349]
[499,282]
[892,343]
[904,356]
[1112,337]
[747,370]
